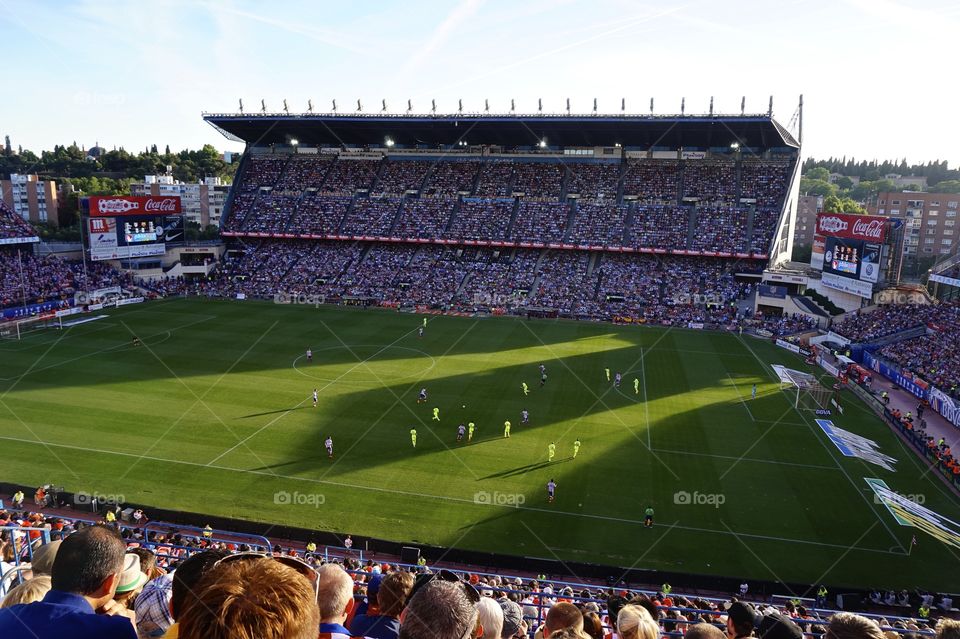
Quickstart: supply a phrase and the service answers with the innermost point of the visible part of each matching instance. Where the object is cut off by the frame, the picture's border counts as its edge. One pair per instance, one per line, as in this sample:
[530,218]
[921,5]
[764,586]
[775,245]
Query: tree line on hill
[815,178]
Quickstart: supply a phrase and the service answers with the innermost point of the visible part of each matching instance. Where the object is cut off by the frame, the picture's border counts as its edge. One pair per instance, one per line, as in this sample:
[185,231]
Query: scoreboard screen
[140,231]
[133,236]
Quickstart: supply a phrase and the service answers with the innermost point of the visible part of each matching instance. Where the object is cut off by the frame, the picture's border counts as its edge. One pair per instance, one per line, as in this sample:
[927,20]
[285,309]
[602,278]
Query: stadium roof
[431,131]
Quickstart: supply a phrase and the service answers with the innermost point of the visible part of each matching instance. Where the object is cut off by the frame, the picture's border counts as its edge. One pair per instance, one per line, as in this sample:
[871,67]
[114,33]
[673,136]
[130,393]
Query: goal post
[18,329]
[805,390]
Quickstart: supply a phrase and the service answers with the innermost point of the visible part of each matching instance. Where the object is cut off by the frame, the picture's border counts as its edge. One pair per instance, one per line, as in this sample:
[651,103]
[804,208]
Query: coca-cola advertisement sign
[118,205]
[871,228]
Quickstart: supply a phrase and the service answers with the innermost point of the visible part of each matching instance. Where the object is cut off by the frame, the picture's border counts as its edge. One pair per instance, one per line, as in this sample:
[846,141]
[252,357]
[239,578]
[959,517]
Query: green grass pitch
[213,414]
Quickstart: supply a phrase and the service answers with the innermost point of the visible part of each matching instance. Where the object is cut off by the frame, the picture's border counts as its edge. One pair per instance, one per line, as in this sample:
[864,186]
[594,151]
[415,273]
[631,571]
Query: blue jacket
[62,615]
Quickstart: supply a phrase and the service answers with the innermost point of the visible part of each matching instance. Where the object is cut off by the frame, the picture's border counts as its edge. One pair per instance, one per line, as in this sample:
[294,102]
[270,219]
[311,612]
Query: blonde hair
[846,625]
[260,599]
[28,592]
[948,629]
[635,622]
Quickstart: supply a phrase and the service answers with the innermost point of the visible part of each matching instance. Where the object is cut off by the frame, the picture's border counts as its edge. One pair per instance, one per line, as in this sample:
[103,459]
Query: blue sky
[134,73]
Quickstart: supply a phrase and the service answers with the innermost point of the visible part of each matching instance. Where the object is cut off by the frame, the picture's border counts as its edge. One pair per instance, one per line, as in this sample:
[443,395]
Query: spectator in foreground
[846,625]
[513,623]
[703,631]
[741,618]
[391,597]
[490,618]
[186,579]
[335,597]
[27,592]
[778,626]
[441,610]
[634,622]
[948,629]
[592,626]
[80,604]
[252,598]
[561,615]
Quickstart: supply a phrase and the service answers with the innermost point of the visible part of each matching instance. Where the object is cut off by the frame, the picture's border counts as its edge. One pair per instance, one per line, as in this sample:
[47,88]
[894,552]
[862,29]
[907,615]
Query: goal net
[804,390]
[18,329]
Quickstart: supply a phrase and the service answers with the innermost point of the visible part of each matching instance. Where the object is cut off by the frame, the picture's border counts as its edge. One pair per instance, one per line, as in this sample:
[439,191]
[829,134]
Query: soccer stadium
[552,376]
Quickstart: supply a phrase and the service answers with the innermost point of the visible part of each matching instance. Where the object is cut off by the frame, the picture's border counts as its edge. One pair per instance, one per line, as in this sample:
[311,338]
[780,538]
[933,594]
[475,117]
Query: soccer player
[314,397]
[543,369]
[524,416]
[576,447]
[423,395]
[506,429]
[436,414]
[648,517]
[470,428]
[420,332]
[424,322]
[413,436]
[753,393]
[309,355]
[551,451]
[461,429]
[636,386]
[616,380]
[329,444]
[607,372]
[526,389]
[543,379]
[551,489]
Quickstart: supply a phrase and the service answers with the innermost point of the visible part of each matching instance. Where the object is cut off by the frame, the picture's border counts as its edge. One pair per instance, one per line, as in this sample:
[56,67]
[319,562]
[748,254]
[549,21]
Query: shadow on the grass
[523,470]
[272,412]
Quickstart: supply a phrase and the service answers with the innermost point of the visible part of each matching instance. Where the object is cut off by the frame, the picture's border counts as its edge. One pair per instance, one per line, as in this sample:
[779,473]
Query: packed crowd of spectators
[935,357]
[782,325]
[864,326]
[594,181]
[720,229]
[12,225]
[764,181]
[481,220]
[712,182]
[371,216]
[27,279]
[108,581]
[599,224]
[541,221]
[298,190]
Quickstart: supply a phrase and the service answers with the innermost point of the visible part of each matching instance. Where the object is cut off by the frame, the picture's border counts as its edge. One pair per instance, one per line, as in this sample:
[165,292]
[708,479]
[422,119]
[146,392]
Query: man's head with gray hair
[334,593]
[440,610]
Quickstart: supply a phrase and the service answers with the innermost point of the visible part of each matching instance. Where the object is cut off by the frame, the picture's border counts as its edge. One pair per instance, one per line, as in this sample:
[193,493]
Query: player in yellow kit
[526,389]
[551,451]
[576,447]
[506,429]
[436,414]
[607,372]
[636,386]
[470,427]
[413,436]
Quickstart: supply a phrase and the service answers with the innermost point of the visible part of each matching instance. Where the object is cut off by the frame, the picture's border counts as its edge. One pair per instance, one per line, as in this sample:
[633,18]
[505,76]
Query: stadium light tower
[460,105]
[383,109]
[594,106]
[651,106]
[513,106]
[568,106]
[743,105]
[359,106]
[433,106]
[263,105]
[486,105]
[539,105]
[623,105]
[409,105]
[241,105]
[309,106]
[711,106]
[334,106]
[770,108]
[683,105]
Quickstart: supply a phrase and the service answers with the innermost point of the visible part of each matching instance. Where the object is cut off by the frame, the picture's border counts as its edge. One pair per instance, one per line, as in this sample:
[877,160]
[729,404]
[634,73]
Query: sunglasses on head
[301,567]
[446,575]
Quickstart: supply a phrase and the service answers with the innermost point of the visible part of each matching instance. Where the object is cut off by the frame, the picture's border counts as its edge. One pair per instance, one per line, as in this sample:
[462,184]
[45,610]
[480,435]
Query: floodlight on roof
[388,142]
